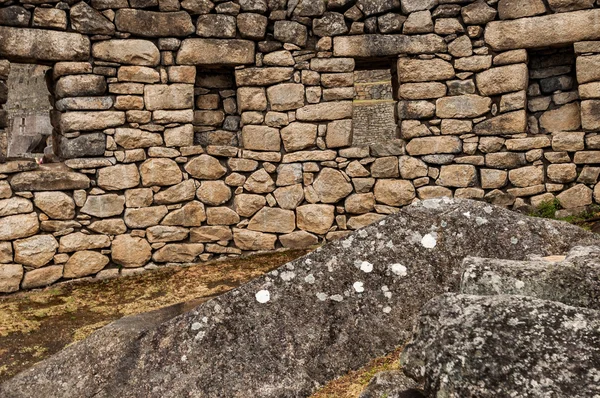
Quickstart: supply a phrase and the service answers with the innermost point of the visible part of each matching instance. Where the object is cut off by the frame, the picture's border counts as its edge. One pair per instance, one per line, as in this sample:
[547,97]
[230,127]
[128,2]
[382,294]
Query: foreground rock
[490,346]
[381,275]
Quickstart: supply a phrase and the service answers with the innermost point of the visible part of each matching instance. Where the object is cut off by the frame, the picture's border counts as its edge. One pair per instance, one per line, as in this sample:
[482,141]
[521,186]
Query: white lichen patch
[488,209]
[337,297]
[358,287]
[287,276]
[322,296]
[363,233]
[480,221]
[514,240]
[184,358]
[310,279]
[366,267]
[263,296]
[347,243]
[429,241]
[398,269]
[387,310]
[200,335]
[467,214]
[196,326]
[519,284]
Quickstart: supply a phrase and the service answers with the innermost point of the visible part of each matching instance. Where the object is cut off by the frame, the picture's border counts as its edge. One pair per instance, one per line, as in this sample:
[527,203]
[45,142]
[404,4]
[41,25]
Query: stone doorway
[28,106]
[374,106]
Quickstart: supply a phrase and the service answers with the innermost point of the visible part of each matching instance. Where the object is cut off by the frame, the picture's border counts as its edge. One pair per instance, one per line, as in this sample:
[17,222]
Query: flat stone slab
[363,46]
[215,52]
[19,44]
[308,322]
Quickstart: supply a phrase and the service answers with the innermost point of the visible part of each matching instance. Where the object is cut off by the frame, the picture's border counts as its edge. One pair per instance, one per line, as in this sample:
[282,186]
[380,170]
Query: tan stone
[462,106]
[15,205]
[260,182]
[577,196]
[79,241]
[179,136]
[221,216]
[196,51]
[43,44]
[115,226]
[178,253]
[359,203]
[252,240]
[135,138]
[273,220]
[286,96]
[314,218]
[84,263]
[36,251]
[210,234]
[289,197]
[10,277]
[18,226]
[103,206]
[417,91]
[412,168]
[247,205]
[394,192]
[562,173]
[434,145]
[503,79]
[506,123]
[251,99]
[181,192]
[325,111]
[493,179]
[145,217]
[42,277]
[565,118]
[431,192]
[262,76]
[331,186]
[364,220]
[130,251]
[205,167]
[162,233]
[140,197]
[526,176]
[131,52]
[160,172]
[6,253]
[424,70]
[458,176]
[168,96]
[261,138]
[192,214]
[298,136]
[525,144]
[213,193]
[298,240]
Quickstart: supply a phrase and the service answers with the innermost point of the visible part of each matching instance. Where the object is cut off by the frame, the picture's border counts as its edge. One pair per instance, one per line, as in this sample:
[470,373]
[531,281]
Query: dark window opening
[216,117]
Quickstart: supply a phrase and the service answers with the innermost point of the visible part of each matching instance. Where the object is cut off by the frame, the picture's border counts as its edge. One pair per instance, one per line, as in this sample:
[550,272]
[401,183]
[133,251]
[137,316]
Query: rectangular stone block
[590,115]
[168,97]
[504,79]
[215,52]
[88,121]
[385,45]
[43,45]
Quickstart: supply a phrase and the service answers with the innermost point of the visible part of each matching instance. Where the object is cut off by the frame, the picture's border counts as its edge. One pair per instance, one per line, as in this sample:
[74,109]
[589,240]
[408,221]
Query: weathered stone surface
[298,240]
[119,177]
[115,226]
[315,218]
[190,215]
[426,273]
[562,173]
[16,205]
[10,277]
[504,79]
[273,220]
[516,330]
[462,106]
[526,176]
[130,52]
[261,138]
[136,138]
[213,193]
[43,45]
[424,70]
[458,175]
[391,384]
[297,136]
[331,186]
[36,251]
[205,167]
[154,24]
[547,30]
[160,172]
[18,226]
[215,52]
[325,111]
[84,263]
[145,216]
[577,196]
[168,96]
[179,193]
[56,205]
[506,123]
[394,192]
[103,206]
[161,233]
[221,216]
[42,277]
[79,241]
[286,96]
[262,76]
[565,118]
[210,234]
[178,253]
[89,121]
[260,182]
[130,251]
[252,240]
[246,205]
[80,86]
[434,145]
[85,19]
[364,46]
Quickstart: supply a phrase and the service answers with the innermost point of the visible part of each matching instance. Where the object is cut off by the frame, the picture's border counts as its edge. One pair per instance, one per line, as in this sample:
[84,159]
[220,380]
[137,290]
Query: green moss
[547,209]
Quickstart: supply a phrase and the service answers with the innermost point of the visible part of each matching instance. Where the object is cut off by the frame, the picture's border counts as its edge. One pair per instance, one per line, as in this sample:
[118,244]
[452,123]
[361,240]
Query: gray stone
[85,19]
[256,320]
[50,179]
[154,24]
[43,45]
[364,46]
[130,52]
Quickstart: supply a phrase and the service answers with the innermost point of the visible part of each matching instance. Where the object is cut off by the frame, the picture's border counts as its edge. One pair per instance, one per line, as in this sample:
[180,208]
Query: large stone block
[588,68]
[215,52]
[49,180]
[394,192]
[103,206]
[434,145]
[504,79]
[364,46]
[514,9]
[130,251]
[261,138]
[424,70]
[273,220]
[130,52]
[543,31]
[286,96]
[85,19]
[462,106]
[154,24]
[590,115]
[168,96]
[80,86]
[298,136]
[35,251]
[331,186]
[88,121]
[56,205]
[93,144]
[315,218]
[325,111]
[43,45]
[10,277]
[262,76]
[507,123]
[136,138]
[565,118]
[458,176]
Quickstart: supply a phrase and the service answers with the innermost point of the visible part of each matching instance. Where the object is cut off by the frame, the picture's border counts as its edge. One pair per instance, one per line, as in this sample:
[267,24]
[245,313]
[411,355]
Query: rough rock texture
[416,254]
[487,346]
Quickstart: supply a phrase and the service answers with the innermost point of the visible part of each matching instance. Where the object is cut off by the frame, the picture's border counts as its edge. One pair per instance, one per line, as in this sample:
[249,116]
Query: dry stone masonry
[194,129]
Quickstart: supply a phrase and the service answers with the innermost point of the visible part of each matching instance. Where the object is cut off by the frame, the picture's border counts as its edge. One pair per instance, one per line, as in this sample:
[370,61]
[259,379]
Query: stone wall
[197,129]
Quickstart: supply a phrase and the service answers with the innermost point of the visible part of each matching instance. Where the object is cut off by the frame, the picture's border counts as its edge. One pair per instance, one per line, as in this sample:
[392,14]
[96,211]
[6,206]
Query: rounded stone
[130,251]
